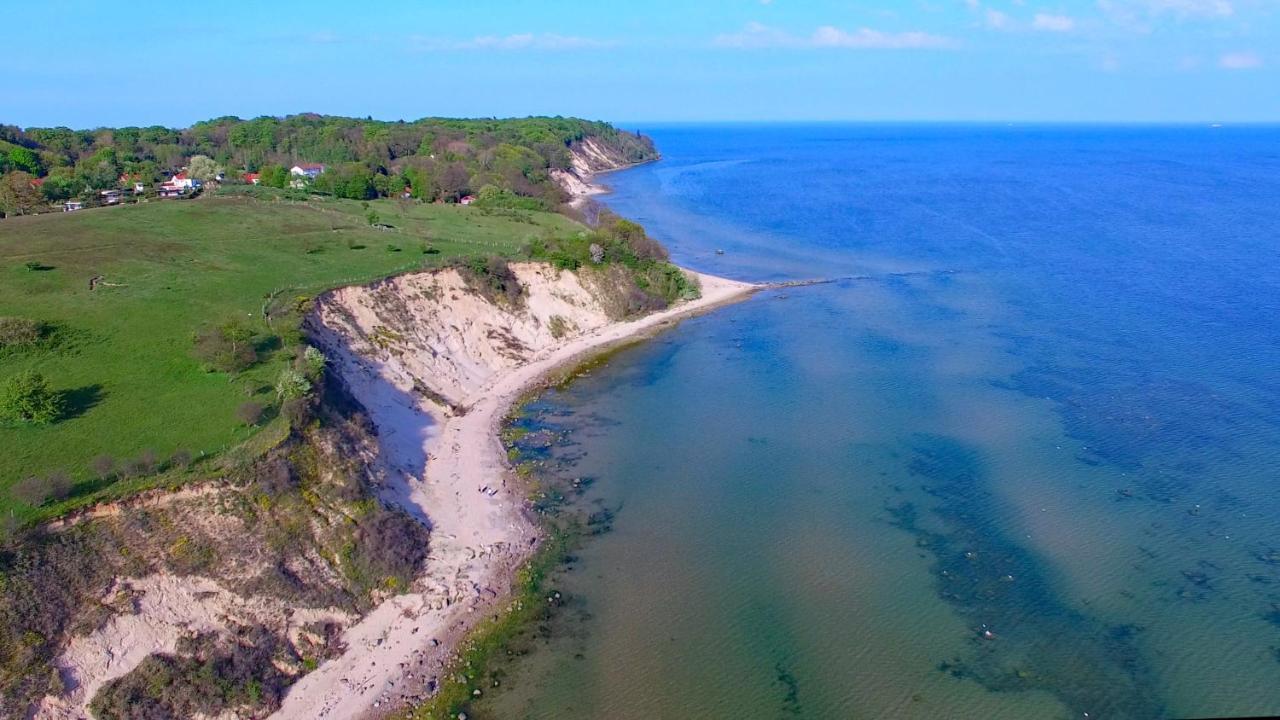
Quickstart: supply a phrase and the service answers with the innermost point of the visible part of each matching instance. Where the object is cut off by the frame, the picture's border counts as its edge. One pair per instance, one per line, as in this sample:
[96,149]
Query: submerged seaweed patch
[1024,636]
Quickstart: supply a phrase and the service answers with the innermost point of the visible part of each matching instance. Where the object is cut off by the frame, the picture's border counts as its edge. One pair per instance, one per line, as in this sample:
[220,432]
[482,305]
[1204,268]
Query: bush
[148,461]
[226,348]
[313,361]
[250,413]
[180,459]
[207,677]
[292,385]
[493,279]
[103,466]
[27,398]
[30,490]
[19,332]
[35,491]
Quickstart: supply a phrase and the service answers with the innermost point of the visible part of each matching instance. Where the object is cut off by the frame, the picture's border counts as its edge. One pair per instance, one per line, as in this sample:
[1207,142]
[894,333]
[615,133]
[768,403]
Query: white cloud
[1053,23]
[828,36]
[997,20]
[517,41]
[1140,14]
[1190,8]
[1240,61]
[757,35]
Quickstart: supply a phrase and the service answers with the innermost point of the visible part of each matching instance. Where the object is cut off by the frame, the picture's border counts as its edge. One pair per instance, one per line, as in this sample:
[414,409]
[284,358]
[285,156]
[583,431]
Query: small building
[467,199]
[37,183]
[139,188]
[72,206]
[408,192]
[253,178]
[306,170]
[185,181]
[111,197]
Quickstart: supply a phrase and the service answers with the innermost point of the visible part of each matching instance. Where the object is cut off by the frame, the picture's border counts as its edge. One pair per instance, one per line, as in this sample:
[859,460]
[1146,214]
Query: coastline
[438,466]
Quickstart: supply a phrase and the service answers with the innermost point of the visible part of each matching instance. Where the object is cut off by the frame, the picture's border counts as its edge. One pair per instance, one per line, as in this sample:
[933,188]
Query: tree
[454,181]
[275,176]
[24,159]
[226,348]
[60,185]
[202,167]
[27,398]
[18,196]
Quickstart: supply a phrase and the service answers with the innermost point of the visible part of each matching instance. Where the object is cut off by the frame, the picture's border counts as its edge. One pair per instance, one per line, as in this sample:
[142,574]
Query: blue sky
[172,63]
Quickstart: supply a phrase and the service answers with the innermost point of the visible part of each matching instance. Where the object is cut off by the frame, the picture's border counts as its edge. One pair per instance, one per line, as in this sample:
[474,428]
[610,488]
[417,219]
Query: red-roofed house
[253,178]
[467,199]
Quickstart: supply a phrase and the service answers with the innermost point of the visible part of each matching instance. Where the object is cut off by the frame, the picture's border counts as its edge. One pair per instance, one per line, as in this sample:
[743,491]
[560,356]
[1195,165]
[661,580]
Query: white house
[182,180]
[307,170]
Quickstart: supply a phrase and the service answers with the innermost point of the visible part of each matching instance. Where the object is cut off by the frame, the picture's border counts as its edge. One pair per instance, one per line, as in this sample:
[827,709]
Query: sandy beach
[452,472]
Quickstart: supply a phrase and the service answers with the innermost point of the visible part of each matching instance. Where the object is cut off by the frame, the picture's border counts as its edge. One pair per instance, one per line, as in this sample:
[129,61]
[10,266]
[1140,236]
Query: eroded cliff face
[589,156]
[221,594]
[440,338]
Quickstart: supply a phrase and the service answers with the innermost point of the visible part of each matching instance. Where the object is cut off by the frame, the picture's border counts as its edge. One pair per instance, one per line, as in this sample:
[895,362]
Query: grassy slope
[125,351]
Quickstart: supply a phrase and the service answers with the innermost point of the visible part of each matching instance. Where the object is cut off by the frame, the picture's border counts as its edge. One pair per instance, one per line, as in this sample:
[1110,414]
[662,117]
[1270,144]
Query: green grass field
[122,353]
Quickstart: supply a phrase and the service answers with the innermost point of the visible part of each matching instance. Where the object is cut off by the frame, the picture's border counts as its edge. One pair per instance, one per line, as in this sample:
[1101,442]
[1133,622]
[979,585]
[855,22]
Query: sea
[1018,456]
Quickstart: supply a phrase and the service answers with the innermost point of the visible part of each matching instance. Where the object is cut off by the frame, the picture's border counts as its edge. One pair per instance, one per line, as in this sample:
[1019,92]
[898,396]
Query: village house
[185,181]
[252,178]
[111,197]
[467,199]
[72,206]
[308,170]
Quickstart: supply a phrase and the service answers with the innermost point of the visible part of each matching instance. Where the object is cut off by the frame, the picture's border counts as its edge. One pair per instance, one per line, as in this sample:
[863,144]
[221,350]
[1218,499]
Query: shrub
[493,279]
[226,348]
[36,491]
[207,676]
[180,459]
[103,466]
[292,385]
[27,398]
[19,332]
[250,413]
[30,490]
[148,461]
[558,326]
[314,361]
[60,485]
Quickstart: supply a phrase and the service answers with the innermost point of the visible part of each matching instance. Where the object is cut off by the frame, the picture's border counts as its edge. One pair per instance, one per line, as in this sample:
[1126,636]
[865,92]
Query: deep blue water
[1042,400]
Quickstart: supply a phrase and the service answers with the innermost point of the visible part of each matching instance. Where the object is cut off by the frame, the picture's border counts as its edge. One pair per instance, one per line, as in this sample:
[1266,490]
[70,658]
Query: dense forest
[434,159]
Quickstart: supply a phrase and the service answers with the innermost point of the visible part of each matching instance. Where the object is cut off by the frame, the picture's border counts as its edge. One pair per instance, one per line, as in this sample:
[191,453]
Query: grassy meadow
[121,354]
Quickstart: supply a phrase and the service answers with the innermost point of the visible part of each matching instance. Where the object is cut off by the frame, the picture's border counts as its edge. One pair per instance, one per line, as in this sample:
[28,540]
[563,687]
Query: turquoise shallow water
[1022,463]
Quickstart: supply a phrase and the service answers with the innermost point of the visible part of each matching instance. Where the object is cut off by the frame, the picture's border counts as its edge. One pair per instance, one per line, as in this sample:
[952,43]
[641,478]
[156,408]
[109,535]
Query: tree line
[432,159]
